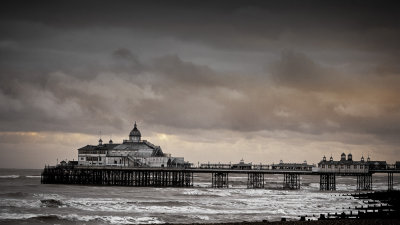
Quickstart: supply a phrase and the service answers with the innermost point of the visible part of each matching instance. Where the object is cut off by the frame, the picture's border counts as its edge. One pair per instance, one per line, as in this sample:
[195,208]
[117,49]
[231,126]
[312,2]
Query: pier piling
[327,182]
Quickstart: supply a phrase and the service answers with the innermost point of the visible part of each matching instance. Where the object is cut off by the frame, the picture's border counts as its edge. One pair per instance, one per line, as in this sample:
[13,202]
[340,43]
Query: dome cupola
[135,134]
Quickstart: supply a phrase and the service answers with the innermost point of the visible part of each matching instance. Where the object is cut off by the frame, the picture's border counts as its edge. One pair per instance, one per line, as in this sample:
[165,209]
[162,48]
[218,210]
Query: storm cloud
[259,78]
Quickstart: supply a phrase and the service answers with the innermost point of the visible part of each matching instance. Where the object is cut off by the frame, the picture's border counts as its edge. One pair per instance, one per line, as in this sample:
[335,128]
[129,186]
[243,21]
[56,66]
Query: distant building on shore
[133,152]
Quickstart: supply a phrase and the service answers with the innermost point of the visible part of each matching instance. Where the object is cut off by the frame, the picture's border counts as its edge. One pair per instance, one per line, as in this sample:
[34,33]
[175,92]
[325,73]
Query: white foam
[85,218]
[20,203]
[16,216]
[203,192]
[48,196]
[9,176]
[112,219]
[33,176]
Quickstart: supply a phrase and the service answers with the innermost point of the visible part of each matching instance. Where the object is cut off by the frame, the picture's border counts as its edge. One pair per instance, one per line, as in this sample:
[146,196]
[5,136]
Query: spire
[135,125]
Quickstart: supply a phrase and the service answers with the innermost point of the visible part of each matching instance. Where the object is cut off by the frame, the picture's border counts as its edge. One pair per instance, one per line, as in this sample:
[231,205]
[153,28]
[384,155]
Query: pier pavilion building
[344,165]
[348,165]
[133,152]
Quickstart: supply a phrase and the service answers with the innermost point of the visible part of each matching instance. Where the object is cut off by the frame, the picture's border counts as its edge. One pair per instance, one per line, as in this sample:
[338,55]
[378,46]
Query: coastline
[374,215]
[312,222]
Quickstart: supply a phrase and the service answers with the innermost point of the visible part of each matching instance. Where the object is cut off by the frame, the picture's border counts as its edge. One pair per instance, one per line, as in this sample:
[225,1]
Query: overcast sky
[210,81]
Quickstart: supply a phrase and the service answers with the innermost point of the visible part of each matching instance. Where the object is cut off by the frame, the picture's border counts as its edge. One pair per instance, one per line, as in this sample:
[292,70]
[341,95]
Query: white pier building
[133,152]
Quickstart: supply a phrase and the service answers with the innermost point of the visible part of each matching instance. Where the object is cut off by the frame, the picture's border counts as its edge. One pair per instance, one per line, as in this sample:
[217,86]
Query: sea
[23,200]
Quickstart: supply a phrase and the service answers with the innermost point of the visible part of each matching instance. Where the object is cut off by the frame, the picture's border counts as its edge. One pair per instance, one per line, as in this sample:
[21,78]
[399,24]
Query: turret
[343,157]
[324,158]
[100,142]
[349,157]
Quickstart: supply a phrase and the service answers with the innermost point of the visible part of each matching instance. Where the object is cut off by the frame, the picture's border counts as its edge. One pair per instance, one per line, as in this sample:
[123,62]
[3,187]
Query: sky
[211,81]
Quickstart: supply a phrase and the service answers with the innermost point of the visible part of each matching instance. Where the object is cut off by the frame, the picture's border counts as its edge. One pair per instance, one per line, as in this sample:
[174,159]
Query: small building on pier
[242,166]
[133,152]
[292,166]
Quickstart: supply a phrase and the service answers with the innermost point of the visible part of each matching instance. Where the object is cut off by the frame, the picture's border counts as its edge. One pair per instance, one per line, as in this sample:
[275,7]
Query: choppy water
[23,200]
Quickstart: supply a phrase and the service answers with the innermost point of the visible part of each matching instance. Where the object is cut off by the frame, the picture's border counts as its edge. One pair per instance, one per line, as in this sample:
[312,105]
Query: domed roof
[135,132]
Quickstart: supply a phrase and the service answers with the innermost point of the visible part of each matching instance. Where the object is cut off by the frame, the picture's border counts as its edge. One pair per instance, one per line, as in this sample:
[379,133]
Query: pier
[183,177]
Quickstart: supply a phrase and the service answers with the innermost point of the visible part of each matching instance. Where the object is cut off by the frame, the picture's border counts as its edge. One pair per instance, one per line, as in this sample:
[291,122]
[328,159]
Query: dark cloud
[298,71]
[300,96]
[315,69]
[255,25]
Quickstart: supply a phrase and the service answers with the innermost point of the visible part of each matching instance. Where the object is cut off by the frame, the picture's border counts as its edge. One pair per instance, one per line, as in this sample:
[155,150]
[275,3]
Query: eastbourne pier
[183,177]
[139,163]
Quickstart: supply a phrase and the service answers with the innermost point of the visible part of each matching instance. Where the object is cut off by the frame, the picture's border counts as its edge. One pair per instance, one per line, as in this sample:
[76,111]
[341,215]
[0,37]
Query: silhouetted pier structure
[117,176]
[183,177]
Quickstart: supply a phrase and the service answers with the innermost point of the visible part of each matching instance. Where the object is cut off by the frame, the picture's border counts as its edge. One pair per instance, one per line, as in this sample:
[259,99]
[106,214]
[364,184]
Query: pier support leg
[390,181]
[188,179]
[255,180]
[364,182]
[219,180]
[291,181]
[327,182]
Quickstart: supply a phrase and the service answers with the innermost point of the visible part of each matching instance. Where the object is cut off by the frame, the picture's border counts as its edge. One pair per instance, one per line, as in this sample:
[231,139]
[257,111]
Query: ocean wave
[206,192]
[47,196]
[9,176]
[82,218]
[54,203]
[14,194]
[17,216]
[201,217]
[162,203]
[19,203]
[105,205]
